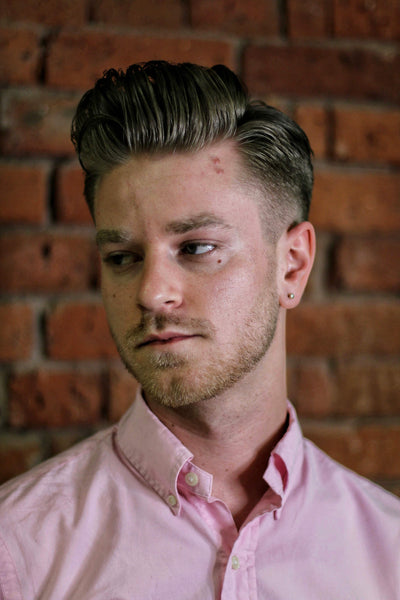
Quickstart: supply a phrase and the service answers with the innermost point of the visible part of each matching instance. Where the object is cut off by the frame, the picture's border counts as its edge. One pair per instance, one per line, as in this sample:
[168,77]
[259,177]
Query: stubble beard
[174,380]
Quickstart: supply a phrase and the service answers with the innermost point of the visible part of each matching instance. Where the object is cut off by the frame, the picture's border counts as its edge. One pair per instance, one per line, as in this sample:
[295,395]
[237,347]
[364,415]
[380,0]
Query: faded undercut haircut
[160,107]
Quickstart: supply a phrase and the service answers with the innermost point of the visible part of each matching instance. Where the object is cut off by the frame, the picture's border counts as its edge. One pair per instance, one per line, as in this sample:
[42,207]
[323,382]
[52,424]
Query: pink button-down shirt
[126,515]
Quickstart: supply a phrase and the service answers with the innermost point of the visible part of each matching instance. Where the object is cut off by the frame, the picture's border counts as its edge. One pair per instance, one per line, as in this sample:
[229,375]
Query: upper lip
[163,336]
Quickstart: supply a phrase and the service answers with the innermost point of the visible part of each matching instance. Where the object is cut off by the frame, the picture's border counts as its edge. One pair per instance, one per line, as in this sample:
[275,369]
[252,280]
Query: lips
[168,337]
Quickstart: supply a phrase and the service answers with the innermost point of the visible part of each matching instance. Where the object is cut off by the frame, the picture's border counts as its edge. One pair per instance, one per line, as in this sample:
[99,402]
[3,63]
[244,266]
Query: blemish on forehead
[217,164]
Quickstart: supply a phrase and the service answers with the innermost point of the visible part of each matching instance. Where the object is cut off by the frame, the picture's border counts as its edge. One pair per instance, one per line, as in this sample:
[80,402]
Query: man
[206,488]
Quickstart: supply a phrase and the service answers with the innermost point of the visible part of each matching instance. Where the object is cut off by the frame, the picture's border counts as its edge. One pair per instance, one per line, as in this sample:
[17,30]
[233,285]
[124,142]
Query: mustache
[151,324]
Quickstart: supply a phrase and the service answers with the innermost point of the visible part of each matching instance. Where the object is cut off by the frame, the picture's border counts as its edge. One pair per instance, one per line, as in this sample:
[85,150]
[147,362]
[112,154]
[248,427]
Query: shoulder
[347,488]
[58,478]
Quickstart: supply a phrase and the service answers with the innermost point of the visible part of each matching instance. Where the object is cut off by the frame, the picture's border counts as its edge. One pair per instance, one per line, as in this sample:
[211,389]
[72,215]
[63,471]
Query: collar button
[191,479]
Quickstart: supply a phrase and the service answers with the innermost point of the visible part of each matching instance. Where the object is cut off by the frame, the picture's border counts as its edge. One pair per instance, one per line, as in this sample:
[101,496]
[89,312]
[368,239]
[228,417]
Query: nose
[160,285]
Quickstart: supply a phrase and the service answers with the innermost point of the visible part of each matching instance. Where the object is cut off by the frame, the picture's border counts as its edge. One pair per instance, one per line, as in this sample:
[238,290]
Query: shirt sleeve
[10,588]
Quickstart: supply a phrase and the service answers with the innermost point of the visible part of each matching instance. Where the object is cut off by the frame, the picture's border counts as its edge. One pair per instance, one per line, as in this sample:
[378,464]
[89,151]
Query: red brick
[308,19]
[20,55]
[314,120]
[103,50]
[16,332]
[367,449]
[47,262]
[136,13]
[391,486]
[368,387]
[311,388]
[45,12]
[323,71]
[47,399]
[24,192]
[123,389]
[37,122]
[60,440]
[363,19]
[70,202]
[367,135]
[79,331]
[368,263]
[18,453]
[253,17]
[356,201]
[342,329]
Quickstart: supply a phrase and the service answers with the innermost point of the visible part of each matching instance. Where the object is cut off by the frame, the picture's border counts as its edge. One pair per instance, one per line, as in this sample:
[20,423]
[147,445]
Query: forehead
[165,186]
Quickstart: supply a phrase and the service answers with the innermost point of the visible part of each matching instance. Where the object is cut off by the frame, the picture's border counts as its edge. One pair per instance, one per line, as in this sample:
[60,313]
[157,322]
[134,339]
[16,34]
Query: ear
[296,251]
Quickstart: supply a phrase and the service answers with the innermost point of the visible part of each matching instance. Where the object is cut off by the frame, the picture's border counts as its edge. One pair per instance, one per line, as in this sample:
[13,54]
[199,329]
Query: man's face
[188,278]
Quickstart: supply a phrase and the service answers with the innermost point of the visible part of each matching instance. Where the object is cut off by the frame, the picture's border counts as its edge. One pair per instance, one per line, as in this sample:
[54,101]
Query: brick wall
[332,64]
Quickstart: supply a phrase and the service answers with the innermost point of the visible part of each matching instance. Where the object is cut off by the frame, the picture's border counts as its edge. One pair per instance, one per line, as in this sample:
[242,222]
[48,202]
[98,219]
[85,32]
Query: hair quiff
[160,107]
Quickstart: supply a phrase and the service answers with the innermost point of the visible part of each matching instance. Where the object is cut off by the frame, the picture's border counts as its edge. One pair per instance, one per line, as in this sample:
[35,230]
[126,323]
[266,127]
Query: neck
[232,436]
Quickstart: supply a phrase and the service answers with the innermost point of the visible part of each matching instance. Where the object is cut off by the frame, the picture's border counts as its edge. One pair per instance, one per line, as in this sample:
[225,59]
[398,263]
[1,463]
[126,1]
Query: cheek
[118,304]
[228,293]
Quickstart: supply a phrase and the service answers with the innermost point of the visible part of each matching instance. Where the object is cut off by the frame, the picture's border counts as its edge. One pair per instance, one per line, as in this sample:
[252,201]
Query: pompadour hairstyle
[160,107]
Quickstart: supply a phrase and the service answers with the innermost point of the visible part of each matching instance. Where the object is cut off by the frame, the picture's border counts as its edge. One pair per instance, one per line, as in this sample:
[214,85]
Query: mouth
[166,338]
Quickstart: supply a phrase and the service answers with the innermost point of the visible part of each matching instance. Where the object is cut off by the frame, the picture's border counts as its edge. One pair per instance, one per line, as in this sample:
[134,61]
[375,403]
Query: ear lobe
[297,253]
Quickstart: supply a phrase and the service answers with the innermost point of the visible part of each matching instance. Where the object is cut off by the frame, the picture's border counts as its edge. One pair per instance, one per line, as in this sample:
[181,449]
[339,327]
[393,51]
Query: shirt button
[235,563]
[191,479]
[172,501]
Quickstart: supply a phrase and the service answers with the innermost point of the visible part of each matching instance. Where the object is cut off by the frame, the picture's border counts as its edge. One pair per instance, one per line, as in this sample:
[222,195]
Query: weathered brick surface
[79,331]
[369,387]
[364,135]
[61,440]
[344,328]
[368,449]
[308,71]
[314,120]
[368,263]
[70,204]
[334,66]
[361,201]
[307,20]
[169,13]
[24,192]
[103,50]
[311,388]
[47,399]
[375,20]
[20,55]
[37,122]
[47,262]
[18,453]
[16,331]
[45,12]
[253,17]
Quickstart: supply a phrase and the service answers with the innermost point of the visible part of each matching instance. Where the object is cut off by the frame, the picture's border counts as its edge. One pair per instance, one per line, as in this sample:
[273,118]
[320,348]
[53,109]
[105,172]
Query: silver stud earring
[291,296]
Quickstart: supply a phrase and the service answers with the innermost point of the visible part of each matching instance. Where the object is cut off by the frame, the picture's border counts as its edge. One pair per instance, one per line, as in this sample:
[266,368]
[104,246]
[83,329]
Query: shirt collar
[286,459]
[145,445]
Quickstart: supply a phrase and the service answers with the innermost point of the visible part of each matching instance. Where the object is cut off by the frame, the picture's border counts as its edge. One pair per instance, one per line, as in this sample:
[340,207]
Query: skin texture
[195,296]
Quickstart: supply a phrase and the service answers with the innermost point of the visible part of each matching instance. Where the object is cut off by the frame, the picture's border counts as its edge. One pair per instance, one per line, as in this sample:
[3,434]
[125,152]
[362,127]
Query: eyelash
[115,259]
[198,245]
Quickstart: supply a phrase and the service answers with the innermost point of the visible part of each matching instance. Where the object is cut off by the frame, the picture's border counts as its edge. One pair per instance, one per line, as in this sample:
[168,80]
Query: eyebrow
[112,236]
[120,236]
[196,222]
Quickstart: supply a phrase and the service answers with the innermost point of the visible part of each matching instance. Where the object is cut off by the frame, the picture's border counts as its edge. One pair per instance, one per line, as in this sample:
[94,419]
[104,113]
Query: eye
[121,259]
[198,248]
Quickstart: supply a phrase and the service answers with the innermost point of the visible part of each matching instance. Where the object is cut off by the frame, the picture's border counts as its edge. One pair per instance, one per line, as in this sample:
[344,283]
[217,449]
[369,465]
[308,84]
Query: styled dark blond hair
[160,107]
